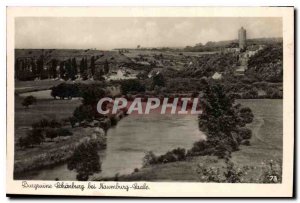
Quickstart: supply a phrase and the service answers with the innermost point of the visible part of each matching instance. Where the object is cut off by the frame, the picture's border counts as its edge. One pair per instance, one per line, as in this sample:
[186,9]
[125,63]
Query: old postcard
[150,102]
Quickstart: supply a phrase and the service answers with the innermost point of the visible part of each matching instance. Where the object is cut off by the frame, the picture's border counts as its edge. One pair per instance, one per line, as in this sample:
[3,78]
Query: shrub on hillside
[45,123]
[51,133]
[178,154]
[245,133]
[113,120]
[271,173]
[65,90]
[33,137]
[132,85]
[62,132]
[149,159]
[84,112]
[29,100]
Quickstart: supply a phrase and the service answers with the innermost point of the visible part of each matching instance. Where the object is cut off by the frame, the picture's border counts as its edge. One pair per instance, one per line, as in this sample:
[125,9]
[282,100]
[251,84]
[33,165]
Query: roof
[217,76]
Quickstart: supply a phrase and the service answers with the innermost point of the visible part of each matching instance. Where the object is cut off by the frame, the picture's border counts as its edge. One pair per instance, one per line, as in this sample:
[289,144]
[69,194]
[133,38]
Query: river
[130,139]
[135,135]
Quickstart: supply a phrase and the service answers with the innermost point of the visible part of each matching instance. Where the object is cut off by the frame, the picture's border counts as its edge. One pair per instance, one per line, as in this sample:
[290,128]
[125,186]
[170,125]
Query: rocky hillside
[267,64]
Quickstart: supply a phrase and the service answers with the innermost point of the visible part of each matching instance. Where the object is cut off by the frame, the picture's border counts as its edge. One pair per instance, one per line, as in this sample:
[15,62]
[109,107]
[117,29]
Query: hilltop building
[242,39]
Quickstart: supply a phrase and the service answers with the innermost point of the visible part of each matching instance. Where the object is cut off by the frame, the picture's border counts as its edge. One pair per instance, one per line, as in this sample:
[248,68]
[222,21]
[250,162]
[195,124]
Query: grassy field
[191,171]
[30,86]
[48,109]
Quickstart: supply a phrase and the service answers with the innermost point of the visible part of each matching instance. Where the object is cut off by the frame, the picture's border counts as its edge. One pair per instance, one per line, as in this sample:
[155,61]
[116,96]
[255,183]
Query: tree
[132,85]
[62,132]
[68,70]
[53,71]
[99,74]
[85,64]
[65,90]
[24,142]
[92,65]
[40,66]
[62,71]
[35,136]
[106,67]
[221,121]
[51,133]
[91,94]
[84,112]
[73,121]
[29,100]
[74,69]
[158,80]
[85,160]
[82,67]
[33,67]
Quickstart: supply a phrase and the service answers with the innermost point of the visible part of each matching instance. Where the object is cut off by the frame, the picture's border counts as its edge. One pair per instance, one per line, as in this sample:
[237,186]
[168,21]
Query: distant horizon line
[171,47]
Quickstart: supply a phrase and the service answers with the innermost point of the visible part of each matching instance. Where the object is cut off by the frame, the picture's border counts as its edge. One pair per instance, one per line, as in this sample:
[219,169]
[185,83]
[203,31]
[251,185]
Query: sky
[109,33]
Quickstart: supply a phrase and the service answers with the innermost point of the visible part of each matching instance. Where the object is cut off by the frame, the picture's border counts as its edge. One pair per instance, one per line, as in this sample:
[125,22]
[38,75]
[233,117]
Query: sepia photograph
[145,99]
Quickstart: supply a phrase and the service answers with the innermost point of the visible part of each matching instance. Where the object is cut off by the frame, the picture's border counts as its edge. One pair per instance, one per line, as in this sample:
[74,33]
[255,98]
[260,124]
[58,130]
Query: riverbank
[55,152]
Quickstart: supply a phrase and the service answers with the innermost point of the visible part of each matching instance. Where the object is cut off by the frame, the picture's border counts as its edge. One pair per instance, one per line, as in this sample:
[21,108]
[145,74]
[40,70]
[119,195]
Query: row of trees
[69,69]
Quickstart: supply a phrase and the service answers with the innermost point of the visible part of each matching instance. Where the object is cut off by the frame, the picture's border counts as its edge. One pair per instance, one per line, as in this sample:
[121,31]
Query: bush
[51,133]
[149,159]
[132,85]
[210,174]
[24,142]
[54,124]
[36,136]
[246,116]
[73,121]
[33,137]
[29,100]
[166,158]
[272,172]
[178,154]
[65,90]
[158,80]
[84,112]
[245,133]
[44,123]
[274,93]
[85,160]
[230,174]
[113,120]
[62,132]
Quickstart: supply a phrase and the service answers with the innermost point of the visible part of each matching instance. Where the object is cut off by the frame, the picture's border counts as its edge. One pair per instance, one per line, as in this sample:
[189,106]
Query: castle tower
[242,38]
